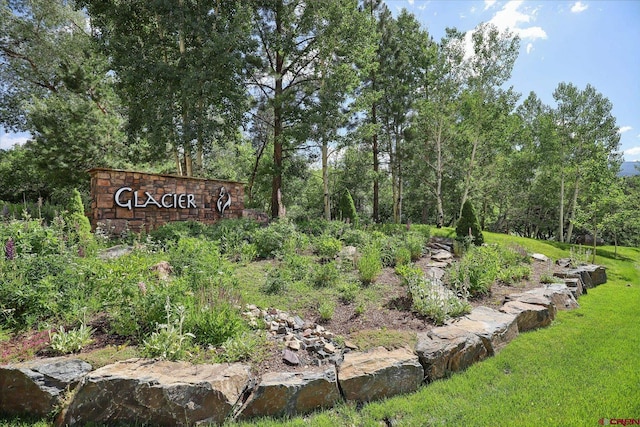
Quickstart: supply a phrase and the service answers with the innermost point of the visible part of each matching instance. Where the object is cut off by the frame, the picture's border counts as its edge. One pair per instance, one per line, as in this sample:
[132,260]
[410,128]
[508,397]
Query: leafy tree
[180,71]
[302,47]
[484,102]
[589,138]
[55,84]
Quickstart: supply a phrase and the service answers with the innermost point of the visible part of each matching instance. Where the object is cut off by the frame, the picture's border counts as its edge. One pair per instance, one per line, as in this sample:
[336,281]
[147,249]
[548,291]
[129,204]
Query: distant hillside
[629,168]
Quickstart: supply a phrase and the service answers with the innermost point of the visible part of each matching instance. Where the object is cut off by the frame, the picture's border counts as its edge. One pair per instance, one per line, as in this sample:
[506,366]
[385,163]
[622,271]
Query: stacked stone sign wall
[142,201]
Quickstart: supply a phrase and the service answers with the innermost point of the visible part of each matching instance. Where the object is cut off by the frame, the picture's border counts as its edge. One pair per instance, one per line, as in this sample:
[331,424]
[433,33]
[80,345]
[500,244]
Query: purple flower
[10,249]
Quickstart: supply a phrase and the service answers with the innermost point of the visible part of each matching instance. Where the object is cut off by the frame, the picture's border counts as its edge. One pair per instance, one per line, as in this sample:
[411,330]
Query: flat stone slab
[556,296]
[293,393]
[36,387]
[528,316]
[495,329]
[379,373]
[159,393]
[441,255]
[448,349]
[540,257]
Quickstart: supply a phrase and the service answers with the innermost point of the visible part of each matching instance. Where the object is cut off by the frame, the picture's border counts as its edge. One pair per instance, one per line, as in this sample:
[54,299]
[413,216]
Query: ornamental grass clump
[369,265]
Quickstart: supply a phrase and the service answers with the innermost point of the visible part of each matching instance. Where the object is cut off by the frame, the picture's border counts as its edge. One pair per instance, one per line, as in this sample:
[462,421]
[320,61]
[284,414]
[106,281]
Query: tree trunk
[467,183]
[572,211]
[376,169]
[561,223]
[176,158]
[276,183]
[325,180]
[439,171]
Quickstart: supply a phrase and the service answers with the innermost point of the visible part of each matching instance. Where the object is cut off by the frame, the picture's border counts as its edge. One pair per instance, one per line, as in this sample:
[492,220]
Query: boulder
[555,296]
[115,252]
[528,316]
[540,257]
[379,373]
[436,273]
[495,329]
[441,255]
[37,386]
[576,273]
[597,273]
[292,393]
[159,393]
[575,285]
[448,349]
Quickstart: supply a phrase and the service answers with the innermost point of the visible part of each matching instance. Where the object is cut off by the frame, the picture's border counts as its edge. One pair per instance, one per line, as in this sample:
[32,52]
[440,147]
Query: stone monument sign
[144,201]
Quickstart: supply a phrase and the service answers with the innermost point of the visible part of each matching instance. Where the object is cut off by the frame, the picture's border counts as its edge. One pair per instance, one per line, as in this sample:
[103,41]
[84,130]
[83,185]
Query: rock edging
[180,393]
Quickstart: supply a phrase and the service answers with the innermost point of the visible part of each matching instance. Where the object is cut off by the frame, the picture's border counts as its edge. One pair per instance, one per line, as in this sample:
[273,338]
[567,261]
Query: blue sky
[582,42]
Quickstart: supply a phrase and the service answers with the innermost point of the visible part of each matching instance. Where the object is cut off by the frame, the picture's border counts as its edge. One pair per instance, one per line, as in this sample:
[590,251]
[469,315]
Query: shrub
[476,271]
[215,322]
[276,239]
[78,225]
[348,208]
[326,309]
[169,341]
[369,264]
[431,298]
[327,247]
[468,225]
[348,292]
[326,275]
[200,262]
[355,237]
[232,235]
[30,236]
[415,243]
[277,281]
[249,345]
[65,342]
[514,273]
[297,265]
[402,256]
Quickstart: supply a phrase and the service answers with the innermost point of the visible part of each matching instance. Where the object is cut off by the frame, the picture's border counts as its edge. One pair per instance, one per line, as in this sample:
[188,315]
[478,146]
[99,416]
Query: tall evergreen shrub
[348,208]
[468,226]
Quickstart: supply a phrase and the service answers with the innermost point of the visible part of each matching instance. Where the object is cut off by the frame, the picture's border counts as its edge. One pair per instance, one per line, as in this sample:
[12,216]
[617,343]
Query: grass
[581,369]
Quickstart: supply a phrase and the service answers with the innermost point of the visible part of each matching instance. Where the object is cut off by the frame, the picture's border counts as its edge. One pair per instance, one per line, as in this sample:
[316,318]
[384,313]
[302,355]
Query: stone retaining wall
[144,201]
[179,393]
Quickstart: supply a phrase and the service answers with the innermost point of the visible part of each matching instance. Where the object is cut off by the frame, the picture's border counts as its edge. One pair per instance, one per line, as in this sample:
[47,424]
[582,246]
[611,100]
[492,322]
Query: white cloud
[579,7]
[510,18]
[8,140]
[411,2]
[529,48]
[633,151]
[488,4]
[624,129]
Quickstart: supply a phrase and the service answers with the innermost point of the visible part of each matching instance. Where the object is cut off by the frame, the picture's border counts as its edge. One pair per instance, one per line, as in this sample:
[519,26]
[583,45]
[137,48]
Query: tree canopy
[306,101]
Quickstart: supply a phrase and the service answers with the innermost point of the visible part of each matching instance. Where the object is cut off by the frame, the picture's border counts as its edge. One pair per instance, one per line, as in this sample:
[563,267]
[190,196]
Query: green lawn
[584,367]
